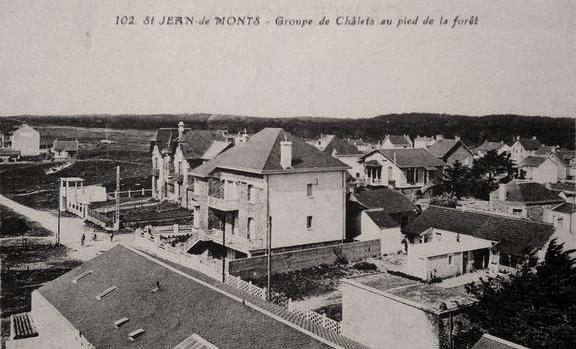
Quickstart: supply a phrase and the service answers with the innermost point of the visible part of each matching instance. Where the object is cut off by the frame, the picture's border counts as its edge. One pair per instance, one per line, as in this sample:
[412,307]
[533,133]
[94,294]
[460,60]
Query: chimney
[517,138]
[286,153]
[457,138]
[245,136]
[502,191]
[394,158]
[180,130]
[533,137]
[439,136]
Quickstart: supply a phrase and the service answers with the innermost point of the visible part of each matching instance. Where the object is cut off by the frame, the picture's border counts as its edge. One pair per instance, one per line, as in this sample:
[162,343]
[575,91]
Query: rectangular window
[309,189]
[249,193]
[517,211]
[411,175]
[309,222]
[450,260]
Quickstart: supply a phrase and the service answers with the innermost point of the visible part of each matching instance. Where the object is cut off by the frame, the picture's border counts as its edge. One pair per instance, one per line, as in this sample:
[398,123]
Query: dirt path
[71,229]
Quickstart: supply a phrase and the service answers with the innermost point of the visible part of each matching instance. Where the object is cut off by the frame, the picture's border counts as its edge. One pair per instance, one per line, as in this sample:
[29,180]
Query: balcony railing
[235,241]
[226,204]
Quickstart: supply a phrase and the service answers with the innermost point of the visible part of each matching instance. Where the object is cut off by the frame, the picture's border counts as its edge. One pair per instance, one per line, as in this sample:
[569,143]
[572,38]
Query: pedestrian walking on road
[82,240]
[111,236]
[94,237]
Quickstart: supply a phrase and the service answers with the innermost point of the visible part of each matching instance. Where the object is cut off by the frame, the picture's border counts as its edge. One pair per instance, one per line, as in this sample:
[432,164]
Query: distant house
[126,299]
[542,169]
[65,149]
[411,171]
[524,199]
[423,141]
[379,214]
[342,150]
[26,140]
[491,342]
[7,155]
[563,218]
[448,242]
[499,147]
[174,152]
[276,178]
[452,150]
[396,142]
[524,147]
[384,311]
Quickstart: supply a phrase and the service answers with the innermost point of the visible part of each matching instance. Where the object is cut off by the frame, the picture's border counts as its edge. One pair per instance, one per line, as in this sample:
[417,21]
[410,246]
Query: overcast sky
[68,57]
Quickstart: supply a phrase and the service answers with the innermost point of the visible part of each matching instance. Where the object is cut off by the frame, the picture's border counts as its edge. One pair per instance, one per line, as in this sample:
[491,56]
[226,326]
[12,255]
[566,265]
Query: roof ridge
[489,213]
[279,130]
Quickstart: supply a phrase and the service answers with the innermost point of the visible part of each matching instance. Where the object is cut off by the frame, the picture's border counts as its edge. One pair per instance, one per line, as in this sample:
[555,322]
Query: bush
[365,266]
[444,200]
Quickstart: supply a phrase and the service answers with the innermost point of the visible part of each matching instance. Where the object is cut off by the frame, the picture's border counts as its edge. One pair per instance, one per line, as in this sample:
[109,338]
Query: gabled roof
[532,161]
[567,207]
[560,186]
[195,143]
[488,146]
[65,145]
[442,148]
[409,157]
[515,236]
[387,199]
[381,219]
[181,307]
[530,143]
[261,154]
[545,150]
[399,140]
[330,143]
[25,128]
[215,148]
[529,193]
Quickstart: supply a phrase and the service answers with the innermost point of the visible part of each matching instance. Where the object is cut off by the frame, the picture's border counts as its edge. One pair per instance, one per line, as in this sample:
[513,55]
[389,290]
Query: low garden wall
[254,267]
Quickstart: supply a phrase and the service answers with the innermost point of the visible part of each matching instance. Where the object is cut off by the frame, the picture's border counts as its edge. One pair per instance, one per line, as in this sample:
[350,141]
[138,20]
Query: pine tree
[534,307]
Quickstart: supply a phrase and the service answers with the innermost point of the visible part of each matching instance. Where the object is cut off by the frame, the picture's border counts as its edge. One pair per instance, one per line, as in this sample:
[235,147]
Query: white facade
[390,238]
[564,226]
[547,172]
[391,175]
[26,140]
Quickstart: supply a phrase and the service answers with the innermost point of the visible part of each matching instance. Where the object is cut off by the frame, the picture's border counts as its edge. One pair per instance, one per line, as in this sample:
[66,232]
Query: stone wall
[301,259]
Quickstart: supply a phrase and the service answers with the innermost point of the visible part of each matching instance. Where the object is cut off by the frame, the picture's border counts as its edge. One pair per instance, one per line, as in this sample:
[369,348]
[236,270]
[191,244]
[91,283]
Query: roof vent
[106,292]
[120,322]
[132,335]
[81,276]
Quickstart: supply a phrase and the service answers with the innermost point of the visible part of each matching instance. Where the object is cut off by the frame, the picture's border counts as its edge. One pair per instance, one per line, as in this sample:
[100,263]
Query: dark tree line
[473,130]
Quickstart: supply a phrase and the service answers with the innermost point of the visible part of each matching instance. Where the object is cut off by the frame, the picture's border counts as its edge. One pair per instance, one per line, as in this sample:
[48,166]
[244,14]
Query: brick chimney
[180,130]
[285,153]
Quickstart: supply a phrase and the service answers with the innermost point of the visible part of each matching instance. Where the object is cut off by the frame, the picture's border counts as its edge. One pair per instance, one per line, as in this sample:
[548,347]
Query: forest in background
[472,130]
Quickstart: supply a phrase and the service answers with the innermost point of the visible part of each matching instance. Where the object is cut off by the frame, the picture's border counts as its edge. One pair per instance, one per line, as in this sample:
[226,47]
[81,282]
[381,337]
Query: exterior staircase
[191,242]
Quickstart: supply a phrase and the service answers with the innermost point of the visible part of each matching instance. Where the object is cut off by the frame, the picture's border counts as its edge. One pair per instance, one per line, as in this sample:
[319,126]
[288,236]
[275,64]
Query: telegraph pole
[269,254]
[59,211]
[118,196]
[224,256]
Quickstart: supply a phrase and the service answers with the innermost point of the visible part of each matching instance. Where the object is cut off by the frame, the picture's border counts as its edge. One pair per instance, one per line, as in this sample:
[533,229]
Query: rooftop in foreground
[429,298]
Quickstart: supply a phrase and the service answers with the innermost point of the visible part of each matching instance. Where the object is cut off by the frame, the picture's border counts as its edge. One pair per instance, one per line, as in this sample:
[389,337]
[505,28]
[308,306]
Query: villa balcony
[225,204]
[234,241]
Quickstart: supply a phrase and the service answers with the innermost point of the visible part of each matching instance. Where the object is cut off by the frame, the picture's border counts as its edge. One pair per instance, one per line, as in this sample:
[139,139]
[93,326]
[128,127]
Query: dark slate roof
[442,148]
[399,140]
[530,143]
[342,147]
[409,157]
[181,307]
[488,146]
[567,207]
[261,154]
[388,200]
[531,161]
[65,145]
[530,193]
[545,150]
[516,236]
[490,342]
[194,143]
[568,187]
[382,219]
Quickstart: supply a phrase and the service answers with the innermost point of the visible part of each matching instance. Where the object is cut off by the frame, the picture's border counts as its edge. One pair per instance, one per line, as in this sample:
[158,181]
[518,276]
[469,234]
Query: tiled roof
[387,199]
[545,150]
[531,161]
[568,187]
[261,154]
[215,148]
[529,193]
[409,157]
[567,207]
[382,219]
[328,144]
[168,316]
[442,148]
[195,143]
[488,146]
[65,145]
[516,236]
[399,140]
[490,342]
[530,143]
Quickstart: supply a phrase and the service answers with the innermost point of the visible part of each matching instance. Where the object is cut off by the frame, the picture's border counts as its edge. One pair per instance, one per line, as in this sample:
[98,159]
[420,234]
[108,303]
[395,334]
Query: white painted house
[524,147]
[26,140]
[542,169]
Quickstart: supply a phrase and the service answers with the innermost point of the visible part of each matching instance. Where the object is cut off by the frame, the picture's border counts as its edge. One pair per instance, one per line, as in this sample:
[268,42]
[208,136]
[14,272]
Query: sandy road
[71,229]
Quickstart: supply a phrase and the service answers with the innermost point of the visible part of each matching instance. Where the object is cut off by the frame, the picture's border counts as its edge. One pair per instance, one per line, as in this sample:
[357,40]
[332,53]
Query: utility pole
[269,254]
[59,211]
[118,196]
[224,256]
